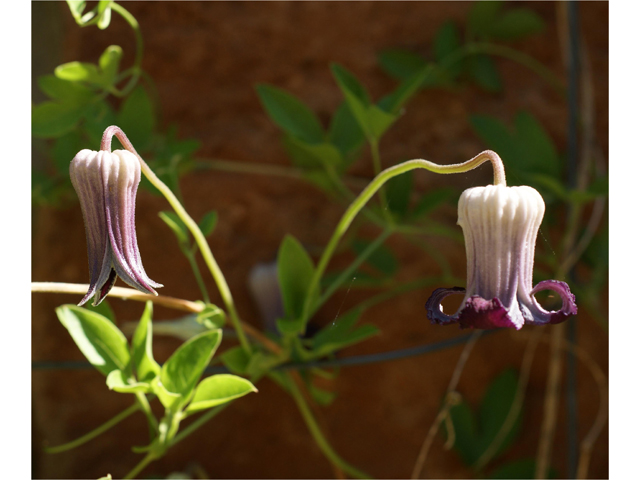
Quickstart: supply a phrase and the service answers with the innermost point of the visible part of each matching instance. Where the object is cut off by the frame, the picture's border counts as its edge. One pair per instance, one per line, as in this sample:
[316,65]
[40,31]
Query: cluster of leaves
[475,431]
[79,108]
[454,60]
[357,120]
[131,368]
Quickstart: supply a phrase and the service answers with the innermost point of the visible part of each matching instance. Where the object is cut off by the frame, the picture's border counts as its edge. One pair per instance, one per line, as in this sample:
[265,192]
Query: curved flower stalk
[106,184]
[500,225]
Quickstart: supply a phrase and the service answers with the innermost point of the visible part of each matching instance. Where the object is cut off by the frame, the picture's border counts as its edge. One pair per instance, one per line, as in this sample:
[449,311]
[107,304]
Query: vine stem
[131,294]
[352,267]
[317,434]
[94,433]
[137,64]
[380,179]
[149,457]
[516,405]
[451,399]
[377,168]
[551,399]
[209,259]
[146,408]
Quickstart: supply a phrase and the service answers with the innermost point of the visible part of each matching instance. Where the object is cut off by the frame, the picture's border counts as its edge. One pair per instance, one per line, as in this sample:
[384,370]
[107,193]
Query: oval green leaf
[181,372]
[295,270]
[101,342]
[219,389]
[290,114]
[146,367]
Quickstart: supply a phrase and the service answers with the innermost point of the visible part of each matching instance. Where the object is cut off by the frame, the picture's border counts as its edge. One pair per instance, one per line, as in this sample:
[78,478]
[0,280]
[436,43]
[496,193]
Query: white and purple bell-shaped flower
[500,225]
[106,183]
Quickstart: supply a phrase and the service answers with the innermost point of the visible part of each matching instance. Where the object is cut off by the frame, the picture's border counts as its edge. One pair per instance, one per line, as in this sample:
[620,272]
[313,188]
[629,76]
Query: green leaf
[356,97]
[401,64]
[399,193]
[446,41]
[322,397]
[340,333]
[219,389]
[467,442]
[289,327]
[97,338]
[262,362]
[174,222]
[79,72]
[538,153]
[236,359]
[52,119]
[495,407]
[482,17]
[168,399]
[64,90]
[136,118]
[181,372]
[344,132]
[380,120]
[473,437]
[103,309]
[99,116]
[349,83]
[290,114]
[64,149]
[312,156]
[211,317]
[392,103]
[295,270]
[483,71]
[517,23]
[382,259]
[499,138]
[104,13]
[142,345]
[338,328]
[77,7]
[208,223]
[432,200]
[109,64]
[116,381]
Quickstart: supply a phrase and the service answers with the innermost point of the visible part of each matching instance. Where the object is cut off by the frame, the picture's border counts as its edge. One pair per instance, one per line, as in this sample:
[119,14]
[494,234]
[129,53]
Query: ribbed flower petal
[500,226]
[87,182]
[121,176]
[106,184]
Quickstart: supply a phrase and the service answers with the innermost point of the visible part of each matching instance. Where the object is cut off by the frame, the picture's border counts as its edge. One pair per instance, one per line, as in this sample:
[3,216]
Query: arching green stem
[207,255]
[94,433]
[136,70]
[361,200]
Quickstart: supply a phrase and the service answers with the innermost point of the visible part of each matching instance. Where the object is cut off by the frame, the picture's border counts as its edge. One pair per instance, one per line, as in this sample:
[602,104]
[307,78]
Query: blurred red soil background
[205,58]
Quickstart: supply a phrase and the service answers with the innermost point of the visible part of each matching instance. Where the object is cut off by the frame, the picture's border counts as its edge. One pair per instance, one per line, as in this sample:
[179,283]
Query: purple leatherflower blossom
[106,183]
[500,225]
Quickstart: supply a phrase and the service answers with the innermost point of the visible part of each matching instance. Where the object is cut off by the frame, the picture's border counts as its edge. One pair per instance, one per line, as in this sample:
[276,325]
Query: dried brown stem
[131,294]
[516,406]
[451,399]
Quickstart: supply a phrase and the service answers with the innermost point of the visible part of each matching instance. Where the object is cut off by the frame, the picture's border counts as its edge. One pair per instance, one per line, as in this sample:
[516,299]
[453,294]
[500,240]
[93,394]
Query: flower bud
[106,184]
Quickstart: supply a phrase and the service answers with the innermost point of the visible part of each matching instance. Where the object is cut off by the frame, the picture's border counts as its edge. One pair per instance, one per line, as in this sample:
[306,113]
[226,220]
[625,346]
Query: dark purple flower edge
[489,314]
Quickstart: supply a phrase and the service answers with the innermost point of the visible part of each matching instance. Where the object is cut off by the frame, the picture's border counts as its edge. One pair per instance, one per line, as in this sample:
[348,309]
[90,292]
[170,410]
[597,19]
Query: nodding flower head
[106,184]
[500,225]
